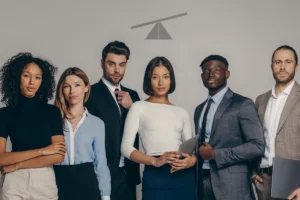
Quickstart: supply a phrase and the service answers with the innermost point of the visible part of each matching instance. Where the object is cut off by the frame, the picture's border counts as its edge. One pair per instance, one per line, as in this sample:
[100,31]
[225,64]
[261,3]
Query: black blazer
[102,104]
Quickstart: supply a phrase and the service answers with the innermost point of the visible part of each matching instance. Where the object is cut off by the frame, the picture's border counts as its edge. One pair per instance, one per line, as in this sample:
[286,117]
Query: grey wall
[73,33]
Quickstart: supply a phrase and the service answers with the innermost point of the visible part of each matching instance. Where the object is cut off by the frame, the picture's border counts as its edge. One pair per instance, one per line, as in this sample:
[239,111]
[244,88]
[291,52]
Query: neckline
[159,103]
[28,101]
[23,98]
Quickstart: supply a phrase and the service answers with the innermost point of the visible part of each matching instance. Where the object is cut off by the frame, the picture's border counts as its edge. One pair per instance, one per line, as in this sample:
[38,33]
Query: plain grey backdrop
[73,33]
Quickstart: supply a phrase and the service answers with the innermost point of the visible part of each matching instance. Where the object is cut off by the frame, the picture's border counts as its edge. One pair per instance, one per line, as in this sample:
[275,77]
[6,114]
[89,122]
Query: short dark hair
[214,57]
[155,62]
[286,47]
[116,47]
[10,74]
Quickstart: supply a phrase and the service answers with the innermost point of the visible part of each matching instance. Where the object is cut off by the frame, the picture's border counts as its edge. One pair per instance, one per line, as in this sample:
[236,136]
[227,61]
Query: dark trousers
[207,192]
[122,187]
[77,182]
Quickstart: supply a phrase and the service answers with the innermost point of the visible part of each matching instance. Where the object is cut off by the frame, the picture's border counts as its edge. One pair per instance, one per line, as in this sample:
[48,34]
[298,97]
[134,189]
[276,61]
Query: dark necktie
[204,120]
[122,109]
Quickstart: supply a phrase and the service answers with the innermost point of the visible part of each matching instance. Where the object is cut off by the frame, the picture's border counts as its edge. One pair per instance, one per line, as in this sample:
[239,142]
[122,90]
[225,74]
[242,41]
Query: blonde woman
[84,173]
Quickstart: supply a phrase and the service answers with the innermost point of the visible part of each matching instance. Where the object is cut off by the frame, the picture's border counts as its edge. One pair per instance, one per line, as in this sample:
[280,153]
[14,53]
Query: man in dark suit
[110,101]
[230,136]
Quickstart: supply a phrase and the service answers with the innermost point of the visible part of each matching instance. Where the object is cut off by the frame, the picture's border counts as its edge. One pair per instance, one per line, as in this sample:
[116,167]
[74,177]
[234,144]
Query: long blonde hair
[60,100]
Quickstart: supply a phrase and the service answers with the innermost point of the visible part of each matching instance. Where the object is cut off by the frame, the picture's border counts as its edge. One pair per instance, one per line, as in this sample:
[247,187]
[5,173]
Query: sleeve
[3,124]
[252,132]
[100,162]
[130,130]
[57,122]
[187,132]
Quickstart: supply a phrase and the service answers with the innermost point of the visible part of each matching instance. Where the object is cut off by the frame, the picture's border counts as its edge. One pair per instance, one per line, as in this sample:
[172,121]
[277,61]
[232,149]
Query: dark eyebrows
[215,66]
[168,73]
[122,63]
[110,61]
[24,71]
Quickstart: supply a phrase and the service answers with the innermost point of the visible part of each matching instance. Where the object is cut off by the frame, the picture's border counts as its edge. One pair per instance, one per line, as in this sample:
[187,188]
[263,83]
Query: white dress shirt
[112,89]
[271,121]
[217,98]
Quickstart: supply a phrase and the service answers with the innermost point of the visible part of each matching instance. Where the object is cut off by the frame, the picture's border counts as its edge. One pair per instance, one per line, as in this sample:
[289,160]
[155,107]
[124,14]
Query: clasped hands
[173,159]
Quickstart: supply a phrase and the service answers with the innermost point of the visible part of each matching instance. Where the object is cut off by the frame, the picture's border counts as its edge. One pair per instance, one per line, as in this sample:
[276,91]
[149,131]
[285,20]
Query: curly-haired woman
[34,128]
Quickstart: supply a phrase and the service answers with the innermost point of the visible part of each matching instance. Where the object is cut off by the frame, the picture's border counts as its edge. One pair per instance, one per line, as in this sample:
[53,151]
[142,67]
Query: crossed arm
[12,161]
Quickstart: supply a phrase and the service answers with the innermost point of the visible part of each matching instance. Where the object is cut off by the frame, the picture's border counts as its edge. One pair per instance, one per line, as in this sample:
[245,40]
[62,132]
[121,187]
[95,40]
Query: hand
[295,195]
[167,157]
[256,179]
[55,148]
[10,168]
[187,162]
[206,152]
[124,99]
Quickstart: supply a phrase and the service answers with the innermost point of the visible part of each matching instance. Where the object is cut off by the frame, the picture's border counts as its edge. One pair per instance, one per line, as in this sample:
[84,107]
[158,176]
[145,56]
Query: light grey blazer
[237,138]
[287,142]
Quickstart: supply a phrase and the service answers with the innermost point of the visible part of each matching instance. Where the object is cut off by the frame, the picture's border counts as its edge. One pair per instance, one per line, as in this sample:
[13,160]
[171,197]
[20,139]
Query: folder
[189,145]
[285,177]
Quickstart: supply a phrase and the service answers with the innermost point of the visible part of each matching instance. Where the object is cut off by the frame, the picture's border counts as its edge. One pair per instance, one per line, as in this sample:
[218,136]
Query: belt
[267,170]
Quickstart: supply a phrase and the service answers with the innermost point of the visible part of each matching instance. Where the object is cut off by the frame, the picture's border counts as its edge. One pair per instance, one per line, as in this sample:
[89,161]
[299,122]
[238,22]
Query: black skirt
[77,182]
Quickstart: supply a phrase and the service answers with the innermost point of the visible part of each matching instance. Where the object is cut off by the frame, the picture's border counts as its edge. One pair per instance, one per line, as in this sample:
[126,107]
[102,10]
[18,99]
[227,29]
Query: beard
[111,80]
[284,80]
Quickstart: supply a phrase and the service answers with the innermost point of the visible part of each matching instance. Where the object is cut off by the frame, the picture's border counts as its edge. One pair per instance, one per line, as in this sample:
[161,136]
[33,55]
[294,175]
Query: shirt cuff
[105,197]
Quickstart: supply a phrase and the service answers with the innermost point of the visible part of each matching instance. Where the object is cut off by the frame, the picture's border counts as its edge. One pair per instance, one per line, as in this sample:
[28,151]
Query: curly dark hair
[10,75]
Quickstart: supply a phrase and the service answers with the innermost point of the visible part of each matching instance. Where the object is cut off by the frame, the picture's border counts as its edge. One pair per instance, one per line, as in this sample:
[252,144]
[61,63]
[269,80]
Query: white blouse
[161,127]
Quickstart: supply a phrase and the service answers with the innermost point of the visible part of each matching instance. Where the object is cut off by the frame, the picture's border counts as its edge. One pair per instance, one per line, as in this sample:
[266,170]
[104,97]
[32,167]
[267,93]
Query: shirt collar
[110,86]
[219,96]
[286,91]
[84,115]
[86,112]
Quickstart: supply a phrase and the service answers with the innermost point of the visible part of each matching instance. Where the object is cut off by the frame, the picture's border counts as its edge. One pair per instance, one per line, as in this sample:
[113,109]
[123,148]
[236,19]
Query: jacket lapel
[263,106]
[289,105]
[111,101]
[197,118]
[227,99]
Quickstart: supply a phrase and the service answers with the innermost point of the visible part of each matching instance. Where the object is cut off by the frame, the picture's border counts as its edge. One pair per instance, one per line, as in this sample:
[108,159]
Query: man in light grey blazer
[279,113]
[231,135]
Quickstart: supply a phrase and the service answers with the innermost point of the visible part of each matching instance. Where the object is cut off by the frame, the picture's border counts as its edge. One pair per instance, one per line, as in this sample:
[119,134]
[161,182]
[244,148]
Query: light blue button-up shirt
[87,144]
[217,98]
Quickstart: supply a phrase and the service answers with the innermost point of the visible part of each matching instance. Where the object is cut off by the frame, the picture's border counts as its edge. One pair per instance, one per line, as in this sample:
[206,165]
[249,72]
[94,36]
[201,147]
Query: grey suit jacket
[287,142]
[237,138]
